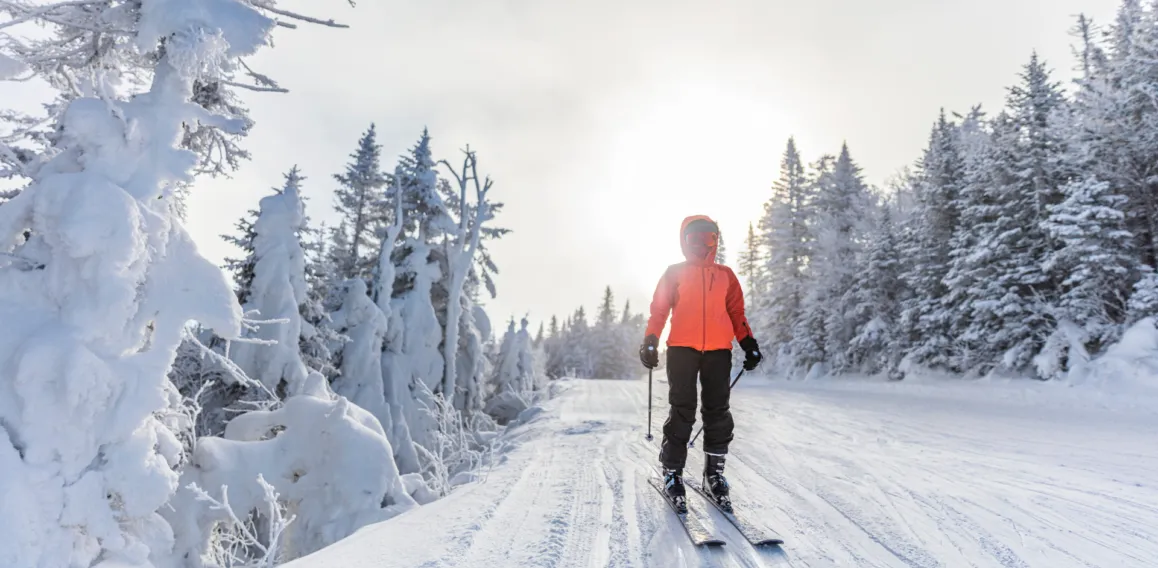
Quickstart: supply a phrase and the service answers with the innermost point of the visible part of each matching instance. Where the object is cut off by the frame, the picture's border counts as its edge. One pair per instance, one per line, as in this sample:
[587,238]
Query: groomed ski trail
[849,474]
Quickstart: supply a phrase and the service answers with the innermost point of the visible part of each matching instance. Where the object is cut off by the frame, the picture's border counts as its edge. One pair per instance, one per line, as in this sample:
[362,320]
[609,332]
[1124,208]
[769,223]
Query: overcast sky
[605,122]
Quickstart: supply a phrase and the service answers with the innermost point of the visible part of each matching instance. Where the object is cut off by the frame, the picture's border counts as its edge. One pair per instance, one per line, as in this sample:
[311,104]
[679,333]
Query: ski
[756,536]
[696,530]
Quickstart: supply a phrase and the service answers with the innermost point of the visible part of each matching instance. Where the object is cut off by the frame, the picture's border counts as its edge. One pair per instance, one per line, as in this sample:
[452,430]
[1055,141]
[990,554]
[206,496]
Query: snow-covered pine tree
[606,340]
[277,291]
[412,349]
[554,347]
[242,268]
[319,339]
[102,278]
[751,267]
[1124,121]
[631,329]
[874,303]
[1010,290]
[808,333]
[578,357]
[355,242]
[976,208]
[843,213]
[1143,302]
[1092,265]
[1114,128]
[925,323]
[513,388]
[784,236]
[722,251]
[527,366]
[360,367]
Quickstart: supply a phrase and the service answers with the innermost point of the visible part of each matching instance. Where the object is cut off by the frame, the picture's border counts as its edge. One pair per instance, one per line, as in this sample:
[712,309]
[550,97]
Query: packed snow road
[851,474]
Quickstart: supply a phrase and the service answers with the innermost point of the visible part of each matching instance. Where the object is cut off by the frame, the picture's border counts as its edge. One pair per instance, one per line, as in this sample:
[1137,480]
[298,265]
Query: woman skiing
[706,306]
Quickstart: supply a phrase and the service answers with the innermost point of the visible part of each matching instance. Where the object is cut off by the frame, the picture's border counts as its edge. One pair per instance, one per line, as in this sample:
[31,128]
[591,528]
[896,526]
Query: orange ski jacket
[704,299]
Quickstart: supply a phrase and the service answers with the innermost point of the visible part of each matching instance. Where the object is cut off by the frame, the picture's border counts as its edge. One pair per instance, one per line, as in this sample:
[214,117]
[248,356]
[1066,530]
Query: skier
[707,310]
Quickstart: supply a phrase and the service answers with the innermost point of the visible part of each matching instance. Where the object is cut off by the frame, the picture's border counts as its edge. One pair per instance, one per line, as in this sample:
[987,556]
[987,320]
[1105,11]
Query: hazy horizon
[605,125]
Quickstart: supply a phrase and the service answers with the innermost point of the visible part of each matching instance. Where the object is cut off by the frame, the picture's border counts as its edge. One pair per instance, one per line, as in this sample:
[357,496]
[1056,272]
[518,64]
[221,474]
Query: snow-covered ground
[851,473]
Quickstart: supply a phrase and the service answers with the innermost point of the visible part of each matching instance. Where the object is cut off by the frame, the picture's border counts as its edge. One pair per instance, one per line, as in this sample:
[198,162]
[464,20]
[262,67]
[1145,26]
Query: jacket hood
[711,259]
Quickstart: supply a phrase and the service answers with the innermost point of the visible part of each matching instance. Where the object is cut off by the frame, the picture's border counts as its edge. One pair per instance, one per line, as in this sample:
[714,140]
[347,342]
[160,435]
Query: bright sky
[604,122]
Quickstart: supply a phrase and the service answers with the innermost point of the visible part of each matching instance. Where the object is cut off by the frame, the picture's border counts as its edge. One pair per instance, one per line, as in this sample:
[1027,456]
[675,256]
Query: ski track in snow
[868,475]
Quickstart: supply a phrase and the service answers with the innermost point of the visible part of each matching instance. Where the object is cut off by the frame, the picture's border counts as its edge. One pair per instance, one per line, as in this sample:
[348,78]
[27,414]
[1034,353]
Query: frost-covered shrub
[460,446]
[328,459]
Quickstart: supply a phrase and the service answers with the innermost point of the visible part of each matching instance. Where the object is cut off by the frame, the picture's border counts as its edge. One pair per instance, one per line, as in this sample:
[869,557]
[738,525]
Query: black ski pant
[683,366]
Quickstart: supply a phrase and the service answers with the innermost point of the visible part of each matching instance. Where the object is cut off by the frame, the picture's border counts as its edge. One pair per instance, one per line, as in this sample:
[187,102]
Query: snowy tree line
[1023,241]
[154,413]
[606,348]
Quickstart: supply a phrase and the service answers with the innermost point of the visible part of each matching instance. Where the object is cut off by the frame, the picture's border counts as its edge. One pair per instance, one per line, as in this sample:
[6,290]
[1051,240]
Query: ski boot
[673,486]
[714,482]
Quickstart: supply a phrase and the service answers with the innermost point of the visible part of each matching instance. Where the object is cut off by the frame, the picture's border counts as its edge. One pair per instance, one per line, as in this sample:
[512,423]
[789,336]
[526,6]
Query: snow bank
[1129,366]
[329,460]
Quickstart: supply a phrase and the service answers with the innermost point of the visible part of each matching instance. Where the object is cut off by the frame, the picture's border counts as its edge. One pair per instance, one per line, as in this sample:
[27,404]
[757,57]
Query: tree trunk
[450,342]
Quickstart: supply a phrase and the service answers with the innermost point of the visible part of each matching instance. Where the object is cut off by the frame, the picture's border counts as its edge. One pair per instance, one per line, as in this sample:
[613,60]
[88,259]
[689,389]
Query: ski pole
[649,438]
[692,443]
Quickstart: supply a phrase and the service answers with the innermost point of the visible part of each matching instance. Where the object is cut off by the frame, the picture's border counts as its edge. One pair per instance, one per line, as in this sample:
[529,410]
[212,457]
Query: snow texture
[277,290]
[328,459]
[850,473]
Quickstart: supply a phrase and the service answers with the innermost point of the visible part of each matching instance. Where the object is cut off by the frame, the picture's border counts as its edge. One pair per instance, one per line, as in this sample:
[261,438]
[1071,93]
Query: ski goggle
[702,239]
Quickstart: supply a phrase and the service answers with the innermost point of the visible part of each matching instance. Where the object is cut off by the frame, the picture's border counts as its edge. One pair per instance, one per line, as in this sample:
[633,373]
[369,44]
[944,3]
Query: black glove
[649,352]
[752,355]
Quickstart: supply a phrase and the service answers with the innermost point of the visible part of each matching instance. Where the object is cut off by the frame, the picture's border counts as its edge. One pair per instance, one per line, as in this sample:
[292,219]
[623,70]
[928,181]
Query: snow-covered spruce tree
[412,350]
[1094,258]
[1122,120]
[1143,301]
[394,386]
[808,334]
[751,267]
[105,278]
[964,280]
[553,347]
[359,361]
[843,213]
[1010,190]
[607,342]
[532,381]
[631,328]
[318,339]
[784,235]
[513,392]
[277,290]
[874,303]
[1092,267]
[925,333]
[242,268]
[580,355]
[355,244]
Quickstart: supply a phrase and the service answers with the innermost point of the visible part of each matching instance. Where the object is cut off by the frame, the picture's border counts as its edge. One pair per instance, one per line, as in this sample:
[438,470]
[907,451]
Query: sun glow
[691,147]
